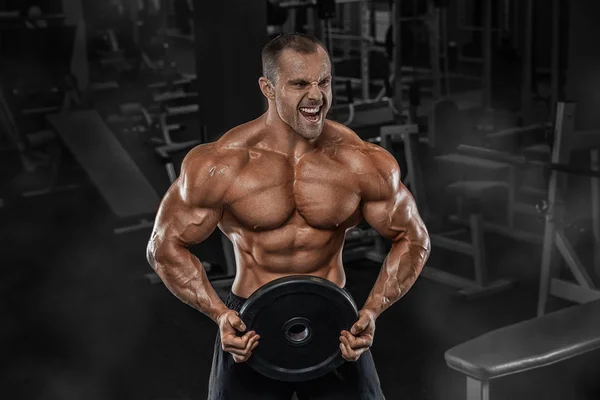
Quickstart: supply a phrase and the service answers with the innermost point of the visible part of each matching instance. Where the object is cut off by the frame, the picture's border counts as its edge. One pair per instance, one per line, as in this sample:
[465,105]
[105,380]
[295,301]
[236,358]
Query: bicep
[394,215]
[182,223]
[388,206]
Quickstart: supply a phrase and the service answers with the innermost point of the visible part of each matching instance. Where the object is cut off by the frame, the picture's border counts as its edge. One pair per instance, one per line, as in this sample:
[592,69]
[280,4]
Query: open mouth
[312,114]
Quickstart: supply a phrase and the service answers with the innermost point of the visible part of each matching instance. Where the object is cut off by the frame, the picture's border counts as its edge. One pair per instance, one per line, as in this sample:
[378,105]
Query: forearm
[183,274]
[399,272]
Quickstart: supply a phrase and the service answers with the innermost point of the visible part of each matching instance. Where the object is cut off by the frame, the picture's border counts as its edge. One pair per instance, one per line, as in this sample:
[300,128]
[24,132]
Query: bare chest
[272,191]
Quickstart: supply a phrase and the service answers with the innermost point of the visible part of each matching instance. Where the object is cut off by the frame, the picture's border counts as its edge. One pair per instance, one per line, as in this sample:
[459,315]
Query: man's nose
[314,92]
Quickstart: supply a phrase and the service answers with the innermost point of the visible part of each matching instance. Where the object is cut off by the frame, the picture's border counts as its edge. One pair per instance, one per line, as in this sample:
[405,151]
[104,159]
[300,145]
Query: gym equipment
[496,155]
[362,114]
[118,179]
[11,131]
[506,138]
[516,162]
[498,172]
[524,346]
[480,285]
[435,22]
[183,80]
[358,234]
[170,108]
[299,320]
[165,153]
[366,42]
[163,111]
[31,18]
[503,183]
[363,243]
[36,81]
[529,65]
[566,139]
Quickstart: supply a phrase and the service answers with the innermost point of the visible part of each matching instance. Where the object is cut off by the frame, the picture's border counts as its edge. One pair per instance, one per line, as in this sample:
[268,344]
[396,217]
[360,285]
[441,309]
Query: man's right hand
[240,347]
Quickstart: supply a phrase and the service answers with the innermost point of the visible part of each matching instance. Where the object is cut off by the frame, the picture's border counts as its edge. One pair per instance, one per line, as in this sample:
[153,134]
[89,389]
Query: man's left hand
[360,337]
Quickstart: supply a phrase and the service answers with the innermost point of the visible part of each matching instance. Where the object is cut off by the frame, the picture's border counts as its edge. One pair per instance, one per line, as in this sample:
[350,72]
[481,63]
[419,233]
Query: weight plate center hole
[297,330]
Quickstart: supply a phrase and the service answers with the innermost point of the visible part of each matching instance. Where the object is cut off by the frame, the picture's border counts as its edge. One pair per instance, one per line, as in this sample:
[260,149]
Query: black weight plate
[299,320]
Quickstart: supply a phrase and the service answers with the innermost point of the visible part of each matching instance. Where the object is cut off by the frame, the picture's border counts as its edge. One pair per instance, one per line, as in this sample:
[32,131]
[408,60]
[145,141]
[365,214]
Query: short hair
[299,42]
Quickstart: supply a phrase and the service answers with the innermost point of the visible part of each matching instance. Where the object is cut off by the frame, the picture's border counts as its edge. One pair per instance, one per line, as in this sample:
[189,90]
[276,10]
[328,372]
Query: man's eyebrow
[301,80]
[298,80]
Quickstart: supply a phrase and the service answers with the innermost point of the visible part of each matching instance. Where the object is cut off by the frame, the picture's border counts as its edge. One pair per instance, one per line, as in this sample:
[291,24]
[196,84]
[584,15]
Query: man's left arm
[390,209]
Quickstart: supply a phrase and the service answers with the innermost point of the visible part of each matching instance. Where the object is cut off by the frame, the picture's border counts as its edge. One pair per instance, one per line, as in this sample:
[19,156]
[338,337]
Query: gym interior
[488,106]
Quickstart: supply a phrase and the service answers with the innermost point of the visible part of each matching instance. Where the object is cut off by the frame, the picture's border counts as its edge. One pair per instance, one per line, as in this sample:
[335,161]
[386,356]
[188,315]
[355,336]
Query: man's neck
[283,138]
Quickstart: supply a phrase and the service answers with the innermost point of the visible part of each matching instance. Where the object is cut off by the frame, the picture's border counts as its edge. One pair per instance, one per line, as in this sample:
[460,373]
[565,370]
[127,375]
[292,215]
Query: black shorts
[238,381]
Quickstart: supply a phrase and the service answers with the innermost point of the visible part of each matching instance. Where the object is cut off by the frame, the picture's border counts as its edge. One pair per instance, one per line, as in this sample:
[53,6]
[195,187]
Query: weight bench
[365,114]
[500,168]
[507,139]
[116,176]
[471,193]
[526,345]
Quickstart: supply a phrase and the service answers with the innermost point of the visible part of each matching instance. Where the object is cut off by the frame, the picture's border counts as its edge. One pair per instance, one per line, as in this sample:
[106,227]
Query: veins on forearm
[185,277]
[400,270]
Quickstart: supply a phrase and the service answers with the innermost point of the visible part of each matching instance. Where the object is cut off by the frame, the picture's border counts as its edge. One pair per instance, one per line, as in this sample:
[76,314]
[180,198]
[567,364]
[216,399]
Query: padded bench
[469,195]
[527,345]
[476,190]
[472,162]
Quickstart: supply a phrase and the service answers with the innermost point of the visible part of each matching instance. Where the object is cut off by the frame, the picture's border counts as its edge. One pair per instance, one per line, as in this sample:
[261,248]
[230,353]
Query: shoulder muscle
[382,178]
[207,173]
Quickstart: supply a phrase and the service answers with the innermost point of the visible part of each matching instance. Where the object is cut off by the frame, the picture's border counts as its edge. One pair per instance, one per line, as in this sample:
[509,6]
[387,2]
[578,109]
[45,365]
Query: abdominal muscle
[289,250]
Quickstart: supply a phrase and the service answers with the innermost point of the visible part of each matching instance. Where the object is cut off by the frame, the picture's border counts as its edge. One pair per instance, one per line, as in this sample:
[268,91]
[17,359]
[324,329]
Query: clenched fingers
[353,346]
[245,351]
[349,354]
[232,342]
[356,342]
[243,355]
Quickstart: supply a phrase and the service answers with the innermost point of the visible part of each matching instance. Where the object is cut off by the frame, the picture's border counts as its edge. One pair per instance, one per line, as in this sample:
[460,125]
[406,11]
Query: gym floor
[81,321]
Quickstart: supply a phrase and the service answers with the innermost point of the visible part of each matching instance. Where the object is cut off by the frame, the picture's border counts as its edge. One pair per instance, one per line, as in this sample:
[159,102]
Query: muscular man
[284,189]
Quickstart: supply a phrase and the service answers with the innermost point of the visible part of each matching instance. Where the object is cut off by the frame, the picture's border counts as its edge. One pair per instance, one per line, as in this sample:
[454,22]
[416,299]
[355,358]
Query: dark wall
[229,37]
[583,76]
[47,6]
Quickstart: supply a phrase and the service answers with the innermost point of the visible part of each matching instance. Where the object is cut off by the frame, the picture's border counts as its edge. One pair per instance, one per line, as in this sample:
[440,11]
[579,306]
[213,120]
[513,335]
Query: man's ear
[266,88]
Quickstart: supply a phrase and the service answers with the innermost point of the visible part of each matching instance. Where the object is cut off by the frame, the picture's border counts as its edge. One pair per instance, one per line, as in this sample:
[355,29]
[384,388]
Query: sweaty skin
[285,188]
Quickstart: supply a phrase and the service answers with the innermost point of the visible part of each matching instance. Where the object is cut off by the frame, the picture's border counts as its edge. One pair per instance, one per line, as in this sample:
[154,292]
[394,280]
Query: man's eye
[300,84]
[325,82]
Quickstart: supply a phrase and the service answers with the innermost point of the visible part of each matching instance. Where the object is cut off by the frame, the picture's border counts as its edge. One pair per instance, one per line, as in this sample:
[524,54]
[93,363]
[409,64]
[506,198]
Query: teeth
[307,110]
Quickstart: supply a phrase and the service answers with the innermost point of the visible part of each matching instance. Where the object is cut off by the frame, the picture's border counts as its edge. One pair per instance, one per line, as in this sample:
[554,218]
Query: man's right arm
[188,214]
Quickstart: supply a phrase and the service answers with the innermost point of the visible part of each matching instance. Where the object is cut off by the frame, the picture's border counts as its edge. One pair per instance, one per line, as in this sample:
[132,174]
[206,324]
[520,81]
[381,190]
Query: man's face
[303,91]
